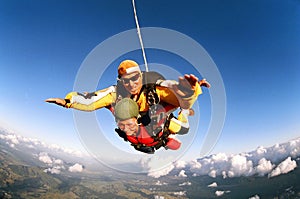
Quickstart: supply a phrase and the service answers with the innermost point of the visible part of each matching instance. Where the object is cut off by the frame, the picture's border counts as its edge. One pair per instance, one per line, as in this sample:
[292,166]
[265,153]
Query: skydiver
[179,94]
[141,137]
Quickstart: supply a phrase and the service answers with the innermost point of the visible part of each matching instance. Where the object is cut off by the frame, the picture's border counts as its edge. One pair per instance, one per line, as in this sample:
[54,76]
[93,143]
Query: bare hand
[186,85]
[204,83]
[58,101]
[188,81]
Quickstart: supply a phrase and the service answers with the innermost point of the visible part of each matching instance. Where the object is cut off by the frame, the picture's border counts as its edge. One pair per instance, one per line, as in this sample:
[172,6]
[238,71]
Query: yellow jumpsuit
[107,97]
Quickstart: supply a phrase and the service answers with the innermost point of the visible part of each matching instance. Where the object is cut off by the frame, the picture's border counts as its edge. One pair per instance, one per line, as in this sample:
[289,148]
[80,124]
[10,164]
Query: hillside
[41,172]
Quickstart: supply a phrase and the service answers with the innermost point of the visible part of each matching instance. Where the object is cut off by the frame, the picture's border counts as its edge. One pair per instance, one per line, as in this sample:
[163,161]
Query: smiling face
[129,126]
[132,82]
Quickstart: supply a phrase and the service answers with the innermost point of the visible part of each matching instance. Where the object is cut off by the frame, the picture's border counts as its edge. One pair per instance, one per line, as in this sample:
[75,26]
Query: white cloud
[254,197]
[44,157]
[180,193]
[230,174]
[161,172]
[261,150]
[76,168]
[213,173]
[224,174]
[52,170]
[11,145]
[195,165]
[58,161]
[156,165]
[180,164]
[214,184]
[56,165]
[264,166]
[260,162]
[182,174]
[185,184]
[159,183]
[13,140]
[294,148]
[219,193]
[240,166]
[284,167]
[220,157]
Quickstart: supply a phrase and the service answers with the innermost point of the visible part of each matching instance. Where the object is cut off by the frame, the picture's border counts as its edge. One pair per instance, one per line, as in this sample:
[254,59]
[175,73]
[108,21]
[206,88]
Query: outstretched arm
[188,89]
[188,84]
[57,101]
[87,101]
[185,92]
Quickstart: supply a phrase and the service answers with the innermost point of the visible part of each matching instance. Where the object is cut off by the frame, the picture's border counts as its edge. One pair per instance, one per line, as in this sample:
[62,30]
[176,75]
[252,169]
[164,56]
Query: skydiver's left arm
[186,90]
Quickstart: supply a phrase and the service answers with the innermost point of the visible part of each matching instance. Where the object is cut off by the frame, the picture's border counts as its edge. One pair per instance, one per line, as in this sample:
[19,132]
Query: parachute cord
[140,36]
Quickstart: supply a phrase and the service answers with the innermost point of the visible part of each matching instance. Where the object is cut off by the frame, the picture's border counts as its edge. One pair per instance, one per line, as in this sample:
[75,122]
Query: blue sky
[255,45]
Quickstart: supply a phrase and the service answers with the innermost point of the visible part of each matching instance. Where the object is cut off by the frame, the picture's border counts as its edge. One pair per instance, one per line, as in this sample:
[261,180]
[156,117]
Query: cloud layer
[14,141]
[38,151]
[273,161]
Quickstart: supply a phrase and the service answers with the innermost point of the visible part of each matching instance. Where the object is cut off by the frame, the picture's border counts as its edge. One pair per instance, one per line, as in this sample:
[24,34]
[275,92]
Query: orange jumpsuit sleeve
[188,102]
[166,94]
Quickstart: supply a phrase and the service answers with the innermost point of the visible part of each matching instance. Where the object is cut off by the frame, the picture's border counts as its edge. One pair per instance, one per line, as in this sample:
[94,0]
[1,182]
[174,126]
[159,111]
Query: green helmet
[126,109]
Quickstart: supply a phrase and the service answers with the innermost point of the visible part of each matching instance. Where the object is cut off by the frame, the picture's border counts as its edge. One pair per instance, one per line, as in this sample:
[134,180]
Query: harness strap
[161,139]
[151,95]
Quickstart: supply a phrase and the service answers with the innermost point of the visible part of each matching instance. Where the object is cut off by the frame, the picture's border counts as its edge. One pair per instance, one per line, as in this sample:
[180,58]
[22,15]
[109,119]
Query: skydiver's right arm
[87,101]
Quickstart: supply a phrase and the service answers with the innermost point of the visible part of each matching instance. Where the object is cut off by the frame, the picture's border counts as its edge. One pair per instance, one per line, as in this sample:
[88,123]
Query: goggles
[133,79]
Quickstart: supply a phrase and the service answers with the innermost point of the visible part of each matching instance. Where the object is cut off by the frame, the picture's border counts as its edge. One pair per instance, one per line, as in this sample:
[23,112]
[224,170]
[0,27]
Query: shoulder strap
[149,83]
[151,77]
